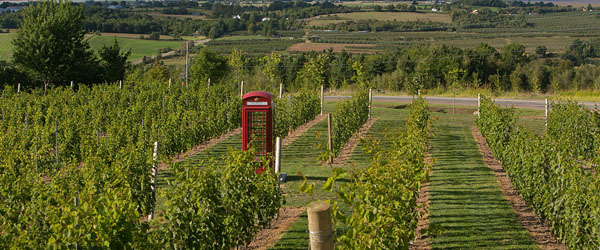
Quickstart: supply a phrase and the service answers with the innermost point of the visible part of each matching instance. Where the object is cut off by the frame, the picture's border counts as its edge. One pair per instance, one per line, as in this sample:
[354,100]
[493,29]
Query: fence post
[120,84]
[546,110]
[319,226]
[329,136]
[71,84]
[277,154]
[19,88]
[321,99]
[371,100]
[169,82]
[153,179]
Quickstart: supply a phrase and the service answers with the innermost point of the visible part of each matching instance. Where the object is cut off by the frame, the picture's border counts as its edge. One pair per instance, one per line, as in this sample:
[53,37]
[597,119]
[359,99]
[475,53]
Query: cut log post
[319,226]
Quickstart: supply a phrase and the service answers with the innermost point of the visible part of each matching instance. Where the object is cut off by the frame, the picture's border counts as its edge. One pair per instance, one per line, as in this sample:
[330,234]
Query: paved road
[468,101]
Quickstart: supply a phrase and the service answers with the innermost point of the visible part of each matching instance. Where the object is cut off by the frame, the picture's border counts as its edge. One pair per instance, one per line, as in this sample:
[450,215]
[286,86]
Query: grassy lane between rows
[297,236]
[467,208]
[291,155]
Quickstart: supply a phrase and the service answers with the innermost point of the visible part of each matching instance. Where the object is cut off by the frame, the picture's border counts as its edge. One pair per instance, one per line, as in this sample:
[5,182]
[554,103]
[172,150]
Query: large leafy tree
[207,64]
[50,45]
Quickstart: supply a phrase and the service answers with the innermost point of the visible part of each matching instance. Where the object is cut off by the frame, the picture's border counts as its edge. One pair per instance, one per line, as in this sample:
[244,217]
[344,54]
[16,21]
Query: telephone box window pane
[257,131]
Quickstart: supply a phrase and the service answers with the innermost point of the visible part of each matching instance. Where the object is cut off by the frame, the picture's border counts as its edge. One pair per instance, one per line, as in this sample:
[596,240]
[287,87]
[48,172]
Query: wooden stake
[19,88]
[153,179]
[56,141]
[278,154]
[209,83]
[319,226]
[242,89]
[321,99]
[546,109]
[71,84]
[280,90]
[478,104]
[330,138]
[169,82]
[186,62]
[120,84]
[227,114]
[370,101]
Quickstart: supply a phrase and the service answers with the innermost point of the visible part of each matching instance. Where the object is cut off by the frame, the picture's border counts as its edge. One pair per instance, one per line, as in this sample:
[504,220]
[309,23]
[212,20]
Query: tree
[50,46]
[314,72]
[207,64]
[236,62]
[114,62]
[272,67]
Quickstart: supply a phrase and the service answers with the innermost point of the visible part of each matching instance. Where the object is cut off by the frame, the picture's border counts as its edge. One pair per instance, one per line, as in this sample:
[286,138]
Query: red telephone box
[257,122]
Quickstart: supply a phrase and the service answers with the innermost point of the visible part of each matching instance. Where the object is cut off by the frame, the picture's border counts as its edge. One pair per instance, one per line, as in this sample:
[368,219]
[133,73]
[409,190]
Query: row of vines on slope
[75,166]
[295,110]
[219,207]
[106,127]
[548,176]
[348,118]
[383,197]
[576,126]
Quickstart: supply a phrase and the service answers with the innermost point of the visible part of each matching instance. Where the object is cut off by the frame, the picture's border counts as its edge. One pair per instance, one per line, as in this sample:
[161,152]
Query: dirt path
[347,150]
[422,241]
[525,215]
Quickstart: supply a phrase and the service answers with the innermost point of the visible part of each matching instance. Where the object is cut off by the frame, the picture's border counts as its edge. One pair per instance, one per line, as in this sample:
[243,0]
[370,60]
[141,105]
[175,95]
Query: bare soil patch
[422,241]
[352,143]
[199,148]
[337,47]
[269,236]
[540,232]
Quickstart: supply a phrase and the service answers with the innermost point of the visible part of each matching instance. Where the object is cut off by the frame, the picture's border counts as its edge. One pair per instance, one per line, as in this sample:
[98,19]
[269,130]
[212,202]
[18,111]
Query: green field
[6,46]
[139,48]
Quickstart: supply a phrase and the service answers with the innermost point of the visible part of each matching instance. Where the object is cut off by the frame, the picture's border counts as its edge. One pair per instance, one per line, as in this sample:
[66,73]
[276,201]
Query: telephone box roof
[258,94]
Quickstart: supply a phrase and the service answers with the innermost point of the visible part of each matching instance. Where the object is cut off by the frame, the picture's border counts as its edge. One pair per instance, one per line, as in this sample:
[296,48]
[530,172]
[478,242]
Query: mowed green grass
[6,47]
[467,208]
[382,16]
[139,48]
